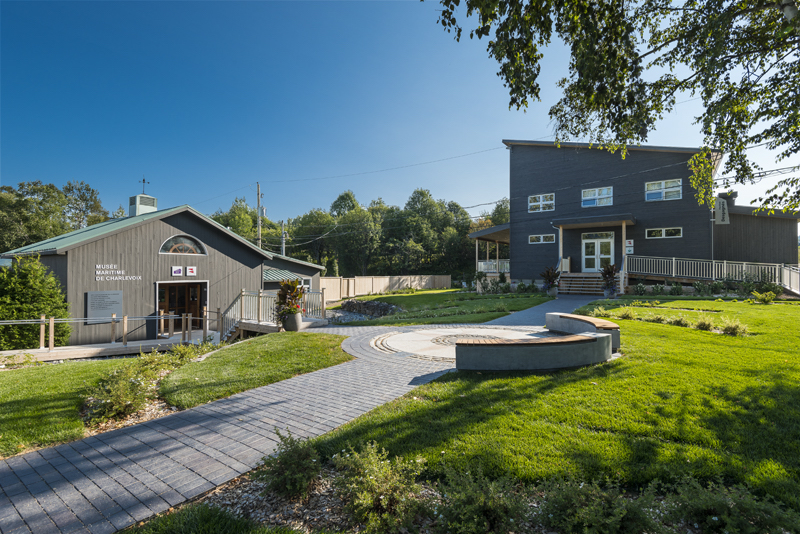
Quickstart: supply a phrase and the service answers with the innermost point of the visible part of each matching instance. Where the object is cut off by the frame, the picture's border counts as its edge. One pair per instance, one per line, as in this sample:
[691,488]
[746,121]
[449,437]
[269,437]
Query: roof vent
[142,204]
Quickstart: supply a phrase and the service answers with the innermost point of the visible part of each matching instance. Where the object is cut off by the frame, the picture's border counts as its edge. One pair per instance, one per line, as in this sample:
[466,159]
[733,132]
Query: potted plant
[550,277]
[288,308]
[609,274]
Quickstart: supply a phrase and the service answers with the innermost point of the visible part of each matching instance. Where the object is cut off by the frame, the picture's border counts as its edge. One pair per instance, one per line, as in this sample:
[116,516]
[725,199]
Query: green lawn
[257,362]
[681,401]
[450,306]
[40,405]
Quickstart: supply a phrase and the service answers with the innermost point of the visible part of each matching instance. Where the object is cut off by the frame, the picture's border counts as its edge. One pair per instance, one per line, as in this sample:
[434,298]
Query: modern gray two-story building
[580,208]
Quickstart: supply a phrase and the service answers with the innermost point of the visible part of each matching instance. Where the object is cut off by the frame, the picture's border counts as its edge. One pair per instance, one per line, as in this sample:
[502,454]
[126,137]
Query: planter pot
[609,293]
[293,322]
[553,291]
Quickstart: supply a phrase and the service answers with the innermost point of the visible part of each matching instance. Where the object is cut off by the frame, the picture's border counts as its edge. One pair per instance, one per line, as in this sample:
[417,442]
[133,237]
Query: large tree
[83,207]
[30,213]
[630,60]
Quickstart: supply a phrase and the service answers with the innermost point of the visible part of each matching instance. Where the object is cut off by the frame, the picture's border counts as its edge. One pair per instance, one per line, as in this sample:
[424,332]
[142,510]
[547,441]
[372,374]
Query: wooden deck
[74,352]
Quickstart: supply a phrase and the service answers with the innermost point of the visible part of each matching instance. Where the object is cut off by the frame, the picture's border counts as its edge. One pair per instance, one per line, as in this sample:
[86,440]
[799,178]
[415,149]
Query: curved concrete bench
[569,323]
[532,354]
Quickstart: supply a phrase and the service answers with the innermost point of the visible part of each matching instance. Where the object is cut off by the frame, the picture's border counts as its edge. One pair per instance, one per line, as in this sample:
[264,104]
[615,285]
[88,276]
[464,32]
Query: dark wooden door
[177,299]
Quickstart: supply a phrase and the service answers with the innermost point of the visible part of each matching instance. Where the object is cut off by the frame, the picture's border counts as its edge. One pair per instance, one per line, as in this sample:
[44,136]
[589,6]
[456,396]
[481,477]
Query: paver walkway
[112,480]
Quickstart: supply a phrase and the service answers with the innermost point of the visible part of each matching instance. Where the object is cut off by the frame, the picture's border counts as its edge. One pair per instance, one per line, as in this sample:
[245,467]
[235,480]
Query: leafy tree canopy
[83,207]
[344,203]
[630,60]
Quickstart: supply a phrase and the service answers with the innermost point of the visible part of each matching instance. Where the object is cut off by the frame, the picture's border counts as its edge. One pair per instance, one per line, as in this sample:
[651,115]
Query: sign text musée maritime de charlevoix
[111,272]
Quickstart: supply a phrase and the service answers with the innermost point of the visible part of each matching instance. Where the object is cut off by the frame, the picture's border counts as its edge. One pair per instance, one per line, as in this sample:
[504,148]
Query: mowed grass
[681,402]
[450,306]
[40,406]
[256,362]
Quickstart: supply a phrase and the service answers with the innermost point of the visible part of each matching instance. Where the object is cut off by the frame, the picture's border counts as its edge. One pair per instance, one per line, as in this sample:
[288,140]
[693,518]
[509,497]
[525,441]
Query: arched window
[182,244]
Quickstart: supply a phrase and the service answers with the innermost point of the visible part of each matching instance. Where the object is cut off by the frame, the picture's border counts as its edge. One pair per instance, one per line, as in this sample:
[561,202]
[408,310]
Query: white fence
[491,266]
[338,288]
[786,275]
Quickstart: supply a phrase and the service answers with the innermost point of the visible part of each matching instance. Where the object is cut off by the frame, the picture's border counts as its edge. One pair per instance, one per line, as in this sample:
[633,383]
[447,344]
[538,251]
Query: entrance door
[177,299]
[598,250]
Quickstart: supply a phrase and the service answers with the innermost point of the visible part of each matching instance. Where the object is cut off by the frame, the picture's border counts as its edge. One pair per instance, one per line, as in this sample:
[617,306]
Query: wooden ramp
[103,350]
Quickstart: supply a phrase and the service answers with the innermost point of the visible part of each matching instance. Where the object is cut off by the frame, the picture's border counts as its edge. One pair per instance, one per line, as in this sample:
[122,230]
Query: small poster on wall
[191,271]
[177,271]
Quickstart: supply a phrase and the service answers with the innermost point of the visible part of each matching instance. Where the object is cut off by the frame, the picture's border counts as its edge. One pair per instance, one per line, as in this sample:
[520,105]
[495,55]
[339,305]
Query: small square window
[546,202]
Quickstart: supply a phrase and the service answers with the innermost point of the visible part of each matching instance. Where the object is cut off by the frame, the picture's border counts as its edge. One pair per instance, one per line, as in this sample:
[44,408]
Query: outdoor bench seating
[539,353]
[569,323]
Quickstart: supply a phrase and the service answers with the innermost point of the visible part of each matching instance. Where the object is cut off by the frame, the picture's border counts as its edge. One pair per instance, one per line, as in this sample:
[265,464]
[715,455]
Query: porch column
[624,251]
[497,251]
[477,255]
[561,246]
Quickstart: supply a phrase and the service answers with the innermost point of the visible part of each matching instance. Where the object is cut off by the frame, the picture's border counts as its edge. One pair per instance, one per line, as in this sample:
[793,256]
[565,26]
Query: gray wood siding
[567,171]
[229,267]
[759,239]
[57,263]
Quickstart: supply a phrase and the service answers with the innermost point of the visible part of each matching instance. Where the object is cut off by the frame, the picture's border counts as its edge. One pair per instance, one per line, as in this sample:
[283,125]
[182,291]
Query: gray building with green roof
[175,260]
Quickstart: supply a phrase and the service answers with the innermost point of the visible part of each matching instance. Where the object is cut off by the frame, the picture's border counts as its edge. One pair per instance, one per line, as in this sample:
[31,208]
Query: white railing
[259,306]
[491,266]
[786,275]
[313,305]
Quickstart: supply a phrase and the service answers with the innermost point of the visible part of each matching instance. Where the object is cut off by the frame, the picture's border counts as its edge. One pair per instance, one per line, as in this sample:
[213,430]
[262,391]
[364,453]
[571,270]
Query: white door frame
[608,237]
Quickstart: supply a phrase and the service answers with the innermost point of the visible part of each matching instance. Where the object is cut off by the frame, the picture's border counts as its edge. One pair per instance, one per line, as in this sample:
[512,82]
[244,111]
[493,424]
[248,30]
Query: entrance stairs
[581,284]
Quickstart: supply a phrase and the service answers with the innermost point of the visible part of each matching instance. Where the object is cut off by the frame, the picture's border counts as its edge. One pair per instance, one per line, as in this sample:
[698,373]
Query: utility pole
[283,241]
[258,213]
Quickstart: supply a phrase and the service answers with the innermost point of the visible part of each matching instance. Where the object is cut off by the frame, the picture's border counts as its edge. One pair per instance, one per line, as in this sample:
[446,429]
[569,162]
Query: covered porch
[499,235]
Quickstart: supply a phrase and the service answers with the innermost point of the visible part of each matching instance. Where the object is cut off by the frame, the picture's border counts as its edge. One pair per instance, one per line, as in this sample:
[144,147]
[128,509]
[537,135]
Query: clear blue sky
[206,98]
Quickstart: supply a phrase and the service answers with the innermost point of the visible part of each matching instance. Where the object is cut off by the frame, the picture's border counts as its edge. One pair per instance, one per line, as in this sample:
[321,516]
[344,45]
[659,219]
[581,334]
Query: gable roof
[279,275]
[295,260]
[76,238]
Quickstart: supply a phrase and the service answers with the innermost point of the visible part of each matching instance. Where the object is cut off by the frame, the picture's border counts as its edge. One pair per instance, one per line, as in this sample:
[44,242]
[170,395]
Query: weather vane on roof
[143,183]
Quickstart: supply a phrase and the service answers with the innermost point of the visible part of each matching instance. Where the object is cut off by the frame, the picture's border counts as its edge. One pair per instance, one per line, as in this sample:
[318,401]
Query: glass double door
[177,299]
[598,250]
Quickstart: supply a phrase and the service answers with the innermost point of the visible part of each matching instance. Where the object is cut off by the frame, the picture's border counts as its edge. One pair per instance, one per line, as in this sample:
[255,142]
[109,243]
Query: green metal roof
[295,260]
[279,275]
[64,242]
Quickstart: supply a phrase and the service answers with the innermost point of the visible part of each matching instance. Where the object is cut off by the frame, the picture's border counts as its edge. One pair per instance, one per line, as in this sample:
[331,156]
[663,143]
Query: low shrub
[676,290]
[702,288]
[764,298]
[378,492]
[578,507]
[470,503]
[678,320]
[120,393]
[704,322]
[658,289]
[733,327]
[292,470]
[717,286]
[627,313]
[598,311]
[655,318]
[640,289]
[715,508]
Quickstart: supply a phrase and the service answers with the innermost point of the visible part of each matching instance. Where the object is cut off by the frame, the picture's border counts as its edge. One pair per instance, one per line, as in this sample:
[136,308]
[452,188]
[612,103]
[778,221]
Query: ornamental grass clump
[470,503]
[573,507]
[733,327]
[764,298]
[292,470]
[626,313]
[704,322]
[678,320]
[380,493]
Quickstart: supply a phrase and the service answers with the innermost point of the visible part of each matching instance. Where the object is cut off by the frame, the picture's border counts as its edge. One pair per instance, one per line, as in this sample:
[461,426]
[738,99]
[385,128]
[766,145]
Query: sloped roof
[279,275]
[70,240]
[295,260]
[648,148]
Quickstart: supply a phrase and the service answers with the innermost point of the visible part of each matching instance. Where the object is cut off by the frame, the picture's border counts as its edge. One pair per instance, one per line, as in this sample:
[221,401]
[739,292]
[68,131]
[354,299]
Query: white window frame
[595,200]
[663,190]
[537,203]
[663,233]
[542,239]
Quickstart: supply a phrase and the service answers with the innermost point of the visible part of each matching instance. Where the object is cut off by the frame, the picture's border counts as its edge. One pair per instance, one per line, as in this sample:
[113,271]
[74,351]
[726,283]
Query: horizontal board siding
[758,239]
[229,267]
[567,171]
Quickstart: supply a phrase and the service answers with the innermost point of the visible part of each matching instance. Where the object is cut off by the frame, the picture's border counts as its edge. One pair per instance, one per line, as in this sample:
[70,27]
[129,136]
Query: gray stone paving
[107,482]
[536,315]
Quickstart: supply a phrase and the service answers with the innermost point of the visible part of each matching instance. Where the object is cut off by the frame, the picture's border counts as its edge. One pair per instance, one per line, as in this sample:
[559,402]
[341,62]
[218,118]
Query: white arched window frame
[183,244]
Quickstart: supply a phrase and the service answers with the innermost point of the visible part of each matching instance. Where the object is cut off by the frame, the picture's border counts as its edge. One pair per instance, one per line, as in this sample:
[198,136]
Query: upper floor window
[663,190]
[660,233]
[546,202]
[601,196]
[182,244]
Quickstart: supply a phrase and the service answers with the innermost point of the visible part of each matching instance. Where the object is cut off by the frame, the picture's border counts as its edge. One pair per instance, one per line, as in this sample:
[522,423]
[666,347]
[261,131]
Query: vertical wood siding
[758,239]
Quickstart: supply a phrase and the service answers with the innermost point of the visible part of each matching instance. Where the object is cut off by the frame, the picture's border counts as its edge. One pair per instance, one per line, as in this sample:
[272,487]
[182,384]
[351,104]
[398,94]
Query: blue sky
[204,99]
